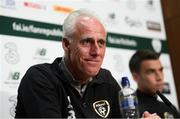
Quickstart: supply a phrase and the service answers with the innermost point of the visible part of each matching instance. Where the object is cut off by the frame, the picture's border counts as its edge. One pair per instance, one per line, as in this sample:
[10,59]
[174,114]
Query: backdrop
[31,30]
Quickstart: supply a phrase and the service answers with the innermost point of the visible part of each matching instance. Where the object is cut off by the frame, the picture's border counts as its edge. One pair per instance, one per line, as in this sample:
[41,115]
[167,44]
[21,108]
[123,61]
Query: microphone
[168,103]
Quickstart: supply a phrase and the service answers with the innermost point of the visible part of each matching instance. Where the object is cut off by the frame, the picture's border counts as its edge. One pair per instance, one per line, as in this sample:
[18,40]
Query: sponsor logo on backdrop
[166,89]
[31,28]
[150,5]
[122,41]
[11,53]
[132,22]
[14,75]
[134,42]
[12,80]
[41,52]
[157,45]
[62,9]
[112,18]
[131,4]
[153,26]
[41,55]
[13,101]
[34,5]
[8,4]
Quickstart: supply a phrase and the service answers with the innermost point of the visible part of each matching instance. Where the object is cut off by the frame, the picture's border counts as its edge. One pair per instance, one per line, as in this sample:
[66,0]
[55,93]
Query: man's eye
[101,42]
[85,41]
[150,72]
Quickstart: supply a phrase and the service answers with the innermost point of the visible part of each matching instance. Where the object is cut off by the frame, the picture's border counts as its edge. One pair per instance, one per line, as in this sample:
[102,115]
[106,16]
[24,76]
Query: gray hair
[70,22]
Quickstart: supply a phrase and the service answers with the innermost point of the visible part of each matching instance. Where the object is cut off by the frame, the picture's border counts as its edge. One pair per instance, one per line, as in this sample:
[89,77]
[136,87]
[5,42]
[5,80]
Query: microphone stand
[168,103]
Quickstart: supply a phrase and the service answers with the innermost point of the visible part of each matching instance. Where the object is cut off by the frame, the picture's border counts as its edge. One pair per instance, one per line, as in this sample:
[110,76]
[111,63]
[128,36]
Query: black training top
[44,91]
[153,105]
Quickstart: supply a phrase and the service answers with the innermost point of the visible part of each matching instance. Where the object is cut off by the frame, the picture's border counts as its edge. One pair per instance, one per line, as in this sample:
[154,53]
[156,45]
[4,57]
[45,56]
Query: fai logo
[102,108]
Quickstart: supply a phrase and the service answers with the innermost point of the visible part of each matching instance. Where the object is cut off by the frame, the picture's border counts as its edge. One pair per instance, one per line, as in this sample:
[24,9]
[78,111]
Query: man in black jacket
[74,86]
[147,71]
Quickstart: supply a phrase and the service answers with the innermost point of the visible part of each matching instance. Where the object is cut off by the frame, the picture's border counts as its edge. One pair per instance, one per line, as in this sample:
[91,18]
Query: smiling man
[75,85]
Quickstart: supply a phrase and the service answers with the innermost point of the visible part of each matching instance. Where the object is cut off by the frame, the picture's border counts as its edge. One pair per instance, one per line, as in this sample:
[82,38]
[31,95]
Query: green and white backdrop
[31,30]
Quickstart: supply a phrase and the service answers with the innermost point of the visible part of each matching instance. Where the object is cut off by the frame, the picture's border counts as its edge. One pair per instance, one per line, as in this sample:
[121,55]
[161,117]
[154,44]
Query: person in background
[75,85]
[147,71]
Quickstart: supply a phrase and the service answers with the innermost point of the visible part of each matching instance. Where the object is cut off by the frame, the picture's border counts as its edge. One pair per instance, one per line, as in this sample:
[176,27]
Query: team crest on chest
[102,108]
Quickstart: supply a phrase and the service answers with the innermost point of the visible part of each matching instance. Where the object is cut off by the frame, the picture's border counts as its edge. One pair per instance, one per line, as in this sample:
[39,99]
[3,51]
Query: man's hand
[147,115]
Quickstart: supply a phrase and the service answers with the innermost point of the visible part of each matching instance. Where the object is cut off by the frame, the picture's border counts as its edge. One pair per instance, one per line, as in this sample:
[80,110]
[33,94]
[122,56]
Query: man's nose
[159,76]
[95,49]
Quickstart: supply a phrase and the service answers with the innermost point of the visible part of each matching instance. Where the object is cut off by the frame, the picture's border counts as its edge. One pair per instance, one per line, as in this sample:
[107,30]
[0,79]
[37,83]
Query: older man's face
[87,49]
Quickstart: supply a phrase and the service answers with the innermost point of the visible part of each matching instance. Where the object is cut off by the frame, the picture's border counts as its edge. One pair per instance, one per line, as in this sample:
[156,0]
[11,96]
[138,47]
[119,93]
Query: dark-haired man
[147,71]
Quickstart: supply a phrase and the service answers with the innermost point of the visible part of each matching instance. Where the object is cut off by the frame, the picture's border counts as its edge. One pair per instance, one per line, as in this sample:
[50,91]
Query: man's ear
[135,76]
[65,44]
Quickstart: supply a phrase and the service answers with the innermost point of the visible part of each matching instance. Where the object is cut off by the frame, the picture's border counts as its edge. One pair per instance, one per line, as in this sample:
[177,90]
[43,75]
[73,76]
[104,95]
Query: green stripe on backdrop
[32,29]
[46,31]
[136,43]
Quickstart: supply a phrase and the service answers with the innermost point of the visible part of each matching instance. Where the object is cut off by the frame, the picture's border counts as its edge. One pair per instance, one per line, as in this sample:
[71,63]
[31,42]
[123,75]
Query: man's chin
[92,73]
[160,90]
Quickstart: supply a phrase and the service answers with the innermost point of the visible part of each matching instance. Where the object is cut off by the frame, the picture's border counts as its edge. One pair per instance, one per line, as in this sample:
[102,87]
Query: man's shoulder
[39,68]
[106,75]
[104,71]
[45,66]
[43,69]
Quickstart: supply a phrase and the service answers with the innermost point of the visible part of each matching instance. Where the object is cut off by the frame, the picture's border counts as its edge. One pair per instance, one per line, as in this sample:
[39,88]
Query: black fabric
[151,104]
[43,92]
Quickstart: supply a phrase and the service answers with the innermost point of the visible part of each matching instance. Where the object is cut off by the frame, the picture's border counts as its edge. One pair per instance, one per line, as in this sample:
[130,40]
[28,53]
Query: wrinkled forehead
[90,24]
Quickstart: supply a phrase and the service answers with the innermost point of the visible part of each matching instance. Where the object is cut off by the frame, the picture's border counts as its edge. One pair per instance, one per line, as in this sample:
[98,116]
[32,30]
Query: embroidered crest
[102,108]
